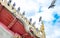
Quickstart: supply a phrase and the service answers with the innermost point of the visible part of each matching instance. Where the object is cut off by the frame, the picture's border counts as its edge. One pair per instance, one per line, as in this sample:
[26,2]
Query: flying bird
[52,4]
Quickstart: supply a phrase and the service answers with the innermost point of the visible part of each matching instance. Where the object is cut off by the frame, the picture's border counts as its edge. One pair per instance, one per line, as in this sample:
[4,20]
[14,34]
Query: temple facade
[15,25]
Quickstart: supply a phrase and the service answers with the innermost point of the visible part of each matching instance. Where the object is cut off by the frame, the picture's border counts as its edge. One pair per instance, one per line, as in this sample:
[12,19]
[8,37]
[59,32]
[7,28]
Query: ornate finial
[34,24]
[23,13]
[13,5]
[42,31]
[37,29]
[9,2]
[18,9]
[42,27]
[30,20]
[40,19]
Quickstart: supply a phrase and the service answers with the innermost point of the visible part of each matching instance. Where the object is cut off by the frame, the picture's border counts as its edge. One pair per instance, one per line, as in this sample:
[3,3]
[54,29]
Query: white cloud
[26,5]
[52,31]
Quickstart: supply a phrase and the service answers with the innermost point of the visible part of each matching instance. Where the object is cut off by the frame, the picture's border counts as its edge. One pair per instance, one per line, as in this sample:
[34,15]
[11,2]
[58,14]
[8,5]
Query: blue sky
[36,8]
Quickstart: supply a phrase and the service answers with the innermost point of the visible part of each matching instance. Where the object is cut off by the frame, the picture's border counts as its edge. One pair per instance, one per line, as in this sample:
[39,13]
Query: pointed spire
[42,27]
[42,31]
[30,20]
[18,9]
[40,19]
[34,24]
[37,29]
[13,5]
[23,13]
[9,2]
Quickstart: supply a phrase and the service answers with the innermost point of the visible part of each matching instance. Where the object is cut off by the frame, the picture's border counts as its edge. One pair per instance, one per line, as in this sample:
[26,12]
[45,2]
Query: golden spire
[42,27]
[42,30]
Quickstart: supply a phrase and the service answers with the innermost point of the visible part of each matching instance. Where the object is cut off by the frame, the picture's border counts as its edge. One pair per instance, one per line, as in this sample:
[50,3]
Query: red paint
[6,18]
[6,28]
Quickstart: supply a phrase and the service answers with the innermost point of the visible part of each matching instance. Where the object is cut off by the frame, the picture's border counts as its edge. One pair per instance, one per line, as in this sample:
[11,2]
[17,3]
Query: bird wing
[53,2]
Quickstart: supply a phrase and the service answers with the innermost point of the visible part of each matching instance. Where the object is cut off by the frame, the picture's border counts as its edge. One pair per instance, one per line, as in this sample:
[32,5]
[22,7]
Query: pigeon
[52,4]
